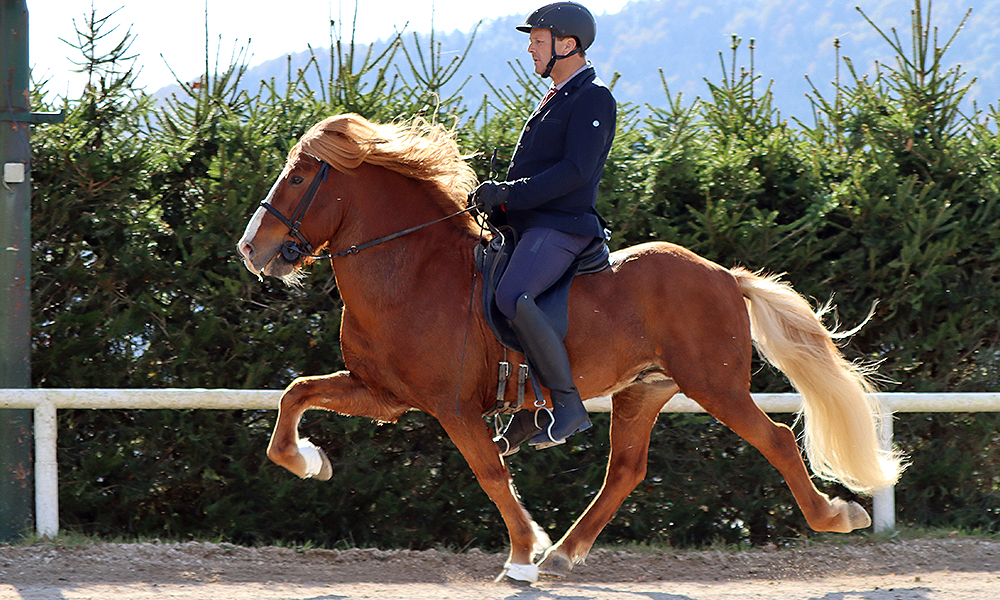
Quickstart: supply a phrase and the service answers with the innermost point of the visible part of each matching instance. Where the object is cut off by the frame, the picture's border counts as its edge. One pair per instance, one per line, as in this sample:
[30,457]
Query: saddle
[492,257]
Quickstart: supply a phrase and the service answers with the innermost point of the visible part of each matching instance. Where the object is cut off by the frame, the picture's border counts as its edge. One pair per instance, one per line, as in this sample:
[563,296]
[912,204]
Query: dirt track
[909,570]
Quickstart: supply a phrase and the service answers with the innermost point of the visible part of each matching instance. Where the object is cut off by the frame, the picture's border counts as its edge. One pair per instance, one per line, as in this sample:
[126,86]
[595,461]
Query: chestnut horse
[660,320]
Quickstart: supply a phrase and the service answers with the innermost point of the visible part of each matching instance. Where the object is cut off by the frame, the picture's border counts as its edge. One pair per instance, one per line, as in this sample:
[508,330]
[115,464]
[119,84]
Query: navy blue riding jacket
[559,159]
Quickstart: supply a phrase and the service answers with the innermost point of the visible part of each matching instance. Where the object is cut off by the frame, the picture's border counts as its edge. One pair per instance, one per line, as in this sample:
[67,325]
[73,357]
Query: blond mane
[416,149]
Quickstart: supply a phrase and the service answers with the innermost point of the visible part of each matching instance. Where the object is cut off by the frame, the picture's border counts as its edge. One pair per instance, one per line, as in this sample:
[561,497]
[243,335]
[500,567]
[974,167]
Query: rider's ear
[572,42]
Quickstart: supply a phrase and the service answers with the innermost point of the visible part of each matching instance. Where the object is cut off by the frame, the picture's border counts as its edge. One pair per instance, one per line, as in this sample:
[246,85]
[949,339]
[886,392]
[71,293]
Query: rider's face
[540,48]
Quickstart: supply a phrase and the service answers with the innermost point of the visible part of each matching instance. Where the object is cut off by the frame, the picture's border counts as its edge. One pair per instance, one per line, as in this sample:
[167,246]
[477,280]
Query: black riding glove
[489,195]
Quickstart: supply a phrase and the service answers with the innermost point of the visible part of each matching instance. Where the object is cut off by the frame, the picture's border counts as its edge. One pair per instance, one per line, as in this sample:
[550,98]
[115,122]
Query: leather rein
[292,250]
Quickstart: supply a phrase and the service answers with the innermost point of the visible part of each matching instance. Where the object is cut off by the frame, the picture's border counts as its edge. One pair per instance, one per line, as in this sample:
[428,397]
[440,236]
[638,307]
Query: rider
[549,199]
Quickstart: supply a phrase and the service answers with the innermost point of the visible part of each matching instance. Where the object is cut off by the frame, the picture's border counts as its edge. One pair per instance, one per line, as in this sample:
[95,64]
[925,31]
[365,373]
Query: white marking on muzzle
[245,245]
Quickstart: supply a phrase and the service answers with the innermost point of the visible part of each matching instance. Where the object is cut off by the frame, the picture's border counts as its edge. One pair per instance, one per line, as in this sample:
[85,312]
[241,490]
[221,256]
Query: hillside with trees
[793,39]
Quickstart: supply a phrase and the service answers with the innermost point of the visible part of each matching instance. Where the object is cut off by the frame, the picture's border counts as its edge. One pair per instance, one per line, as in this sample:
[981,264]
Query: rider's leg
[547,356]
[541,258]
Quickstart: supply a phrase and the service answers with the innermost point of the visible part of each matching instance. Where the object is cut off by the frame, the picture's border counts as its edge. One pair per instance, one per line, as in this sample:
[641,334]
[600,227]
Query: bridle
[292,250]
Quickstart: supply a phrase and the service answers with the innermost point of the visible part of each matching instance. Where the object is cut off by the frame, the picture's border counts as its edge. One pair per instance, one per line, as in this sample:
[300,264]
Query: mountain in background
[684,38]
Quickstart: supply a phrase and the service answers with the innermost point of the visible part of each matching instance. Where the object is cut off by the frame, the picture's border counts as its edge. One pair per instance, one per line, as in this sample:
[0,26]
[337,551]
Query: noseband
[292,249]
[299,247]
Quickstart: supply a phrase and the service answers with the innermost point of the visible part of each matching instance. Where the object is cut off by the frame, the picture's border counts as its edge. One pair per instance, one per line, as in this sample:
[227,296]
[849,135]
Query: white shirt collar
[578,71]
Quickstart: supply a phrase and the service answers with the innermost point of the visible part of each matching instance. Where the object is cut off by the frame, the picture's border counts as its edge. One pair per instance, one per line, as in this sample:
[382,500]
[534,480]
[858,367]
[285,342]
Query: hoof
[317,464]
[325,471]
[555,564]
[850,516]
[857,516]
[523,573]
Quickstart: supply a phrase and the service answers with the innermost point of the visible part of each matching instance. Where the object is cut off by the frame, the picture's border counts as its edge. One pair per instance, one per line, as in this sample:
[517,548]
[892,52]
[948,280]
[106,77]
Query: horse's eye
[296,180]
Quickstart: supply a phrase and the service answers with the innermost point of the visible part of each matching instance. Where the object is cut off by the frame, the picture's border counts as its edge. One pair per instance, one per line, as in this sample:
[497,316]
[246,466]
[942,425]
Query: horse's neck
[428,263]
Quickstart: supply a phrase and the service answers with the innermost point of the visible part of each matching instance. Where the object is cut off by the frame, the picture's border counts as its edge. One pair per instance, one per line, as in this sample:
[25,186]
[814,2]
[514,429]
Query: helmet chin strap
[555,57]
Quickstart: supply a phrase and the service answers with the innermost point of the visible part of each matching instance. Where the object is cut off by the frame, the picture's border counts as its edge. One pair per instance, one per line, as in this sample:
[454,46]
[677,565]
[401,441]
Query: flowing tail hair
[840,411]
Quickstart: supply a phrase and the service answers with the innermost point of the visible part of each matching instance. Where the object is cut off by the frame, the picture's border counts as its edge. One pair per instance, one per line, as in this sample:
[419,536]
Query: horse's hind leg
[340,392]
[634,411]
[777,443]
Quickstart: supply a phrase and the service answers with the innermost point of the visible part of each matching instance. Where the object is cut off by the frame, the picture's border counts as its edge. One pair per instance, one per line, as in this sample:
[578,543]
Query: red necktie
[552,92]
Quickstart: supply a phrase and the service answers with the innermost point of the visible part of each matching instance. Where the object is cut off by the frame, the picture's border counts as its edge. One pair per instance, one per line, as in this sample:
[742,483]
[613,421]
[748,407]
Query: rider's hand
[489,195]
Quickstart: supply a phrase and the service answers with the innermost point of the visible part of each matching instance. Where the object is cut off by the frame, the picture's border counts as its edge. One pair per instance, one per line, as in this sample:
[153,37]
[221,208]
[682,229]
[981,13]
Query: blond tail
[840,412]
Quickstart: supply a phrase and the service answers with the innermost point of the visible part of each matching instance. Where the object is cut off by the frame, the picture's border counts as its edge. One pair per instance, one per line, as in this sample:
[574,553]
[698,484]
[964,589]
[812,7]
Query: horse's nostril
[245,249]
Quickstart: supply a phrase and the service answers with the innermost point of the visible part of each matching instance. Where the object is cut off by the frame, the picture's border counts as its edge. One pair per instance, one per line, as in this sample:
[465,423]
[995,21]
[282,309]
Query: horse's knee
[296,391]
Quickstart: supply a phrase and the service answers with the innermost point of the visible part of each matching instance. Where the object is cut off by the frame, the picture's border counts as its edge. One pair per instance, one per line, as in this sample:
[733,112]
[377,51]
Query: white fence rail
[45,403]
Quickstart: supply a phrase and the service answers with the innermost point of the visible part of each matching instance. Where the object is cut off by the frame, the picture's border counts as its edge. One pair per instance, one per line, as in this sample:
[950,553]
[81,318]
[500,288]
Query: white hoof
[850,517]
[317,464]
[858,516]
[528,573]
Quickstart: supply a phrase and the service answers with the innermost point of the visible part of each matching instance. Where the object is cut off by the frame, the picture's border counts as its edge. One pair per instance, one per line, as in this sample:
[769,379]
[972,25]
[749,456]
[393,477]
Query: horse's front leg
[634,411]
[474,440]
[341,392]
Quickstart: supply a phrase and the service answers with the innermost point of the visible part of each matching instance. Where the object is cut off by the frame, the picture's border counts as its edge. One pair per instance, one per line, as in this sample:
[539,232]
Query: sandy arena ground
[937,569]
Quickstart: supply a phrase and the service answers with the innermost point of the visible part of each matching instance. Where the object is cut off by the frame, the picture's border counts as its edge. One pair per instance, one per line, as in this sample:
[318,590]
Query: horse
[387,203]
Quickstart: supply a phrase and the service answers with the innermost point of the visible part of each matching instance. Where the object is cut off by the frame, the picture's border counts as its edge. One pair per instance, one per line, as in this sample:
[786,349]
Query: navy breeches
[540,259]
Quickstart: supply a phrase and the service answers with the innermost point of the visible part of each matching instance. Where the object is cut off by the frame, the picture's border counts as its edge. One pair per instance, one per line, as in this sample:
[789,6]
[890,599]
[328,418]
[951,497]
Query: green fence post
[17,480]
[16,443]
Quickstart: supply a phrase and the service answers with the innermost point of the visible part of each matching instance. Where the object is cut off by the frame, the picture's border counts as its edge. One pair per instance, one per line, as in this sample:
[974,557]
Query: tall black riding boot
[546,354]
[521,428]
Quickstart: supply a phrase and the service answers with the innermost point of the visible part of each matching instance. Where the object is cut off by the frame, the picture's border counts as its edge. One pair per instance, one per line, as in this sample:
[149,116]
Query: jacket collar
[587,66]
[583,77]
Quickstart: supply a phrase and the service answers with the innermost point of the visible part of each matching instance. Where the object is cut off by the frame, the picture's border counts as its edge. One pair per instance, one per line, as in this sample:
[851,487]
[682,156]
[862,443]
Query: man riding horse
[549,200]
[660,321]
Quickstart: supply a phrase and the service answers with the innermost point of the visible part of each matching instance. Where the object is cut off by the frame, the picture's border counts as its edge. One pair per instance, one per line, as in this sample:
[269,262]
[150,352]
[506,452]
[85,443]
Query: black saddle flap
[491,260]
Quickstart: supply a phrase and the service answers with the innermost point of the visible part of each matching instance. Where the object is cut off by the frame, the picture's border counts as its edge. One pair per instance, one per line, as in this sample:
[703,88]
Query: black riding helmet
[563,19]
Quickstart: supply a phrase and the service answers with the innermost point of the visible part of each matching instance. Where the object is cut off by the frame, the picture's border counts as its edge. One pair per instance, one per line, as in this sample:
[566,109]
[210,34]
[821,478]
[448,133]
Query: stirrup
[544,438]
[503,446]
[507,447]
